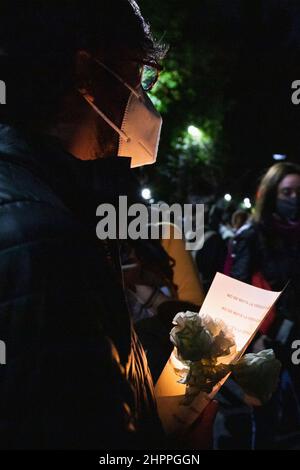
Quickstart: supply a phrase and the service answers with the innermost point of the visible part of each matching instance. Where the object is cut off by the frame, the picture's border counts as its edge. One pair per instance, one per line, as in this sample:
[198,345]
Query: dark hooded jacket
[273,250]
[75,376]
[275,253]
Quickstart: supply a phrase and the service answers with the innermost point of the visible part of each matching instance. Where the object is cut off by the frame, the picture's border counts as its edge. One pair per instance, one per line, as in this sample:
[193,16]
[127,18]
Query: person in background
[239,223]
[239,219]
[160,280]
[157,271]
[226,229]
[267,254]
[186,278]
[76,376]
[211,257]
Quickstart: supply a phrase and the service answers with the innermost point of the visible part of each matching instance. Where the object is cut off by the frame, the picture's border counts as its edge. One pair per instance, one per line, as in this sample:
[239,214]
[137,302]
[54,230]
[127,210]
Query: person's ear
[84,73]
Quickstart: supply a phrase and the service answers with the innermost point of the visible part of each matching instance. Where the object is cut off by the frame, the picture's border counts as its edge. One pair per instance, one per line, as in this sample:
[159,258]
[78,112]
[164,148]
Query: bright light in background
[279,157]
[196,133]
[247,203]
[228,197]
[146,194]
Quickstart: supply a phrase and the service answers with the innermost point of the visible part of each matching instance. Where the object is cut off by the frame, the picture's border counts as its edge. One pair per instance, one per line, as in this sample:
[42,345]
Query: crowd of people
[264,251]
[260,247]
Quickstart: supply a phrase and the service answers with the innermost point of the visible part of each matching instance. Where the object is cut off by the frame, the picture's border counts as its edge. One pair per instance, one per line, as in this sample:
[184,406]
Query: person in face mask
[275,227]
[77,76]
[288,198]
[139,132]
[76,375]
[267,255]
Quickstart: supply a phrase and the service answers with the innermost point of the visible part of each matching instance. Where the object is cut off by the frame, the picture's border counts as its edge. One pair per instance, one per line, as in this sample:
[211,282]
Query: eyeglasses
[149,76]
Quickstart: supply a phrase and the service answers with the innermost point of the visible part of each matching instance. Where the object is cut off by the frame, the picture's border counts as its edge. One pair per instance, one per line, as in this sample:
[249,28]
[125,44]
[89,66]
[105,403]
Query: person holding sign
[76,375]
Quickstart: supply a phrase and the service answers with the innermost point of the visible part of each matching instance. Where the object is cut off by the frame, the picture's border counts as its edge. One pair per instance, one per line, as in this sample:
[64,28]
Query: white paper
[242,307]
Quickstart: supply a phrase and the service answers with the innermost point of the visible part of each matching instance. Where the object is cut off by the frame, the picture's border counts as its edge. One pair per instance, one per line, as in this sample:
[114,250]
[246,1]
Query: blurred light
[146,193]
[228,197]
[196,133]
[247,203]
[152,201]
[278,157]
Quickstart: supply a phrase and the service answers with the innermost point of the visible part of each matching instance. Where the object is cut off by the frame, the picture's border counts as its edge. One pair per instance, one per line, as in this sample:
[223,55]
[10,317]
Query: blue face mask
[289,209]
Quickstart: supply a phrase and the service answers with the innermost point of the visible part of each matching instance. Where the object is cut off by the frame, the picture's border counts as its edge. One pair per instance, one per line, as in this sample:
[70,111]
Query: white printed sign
[243,308]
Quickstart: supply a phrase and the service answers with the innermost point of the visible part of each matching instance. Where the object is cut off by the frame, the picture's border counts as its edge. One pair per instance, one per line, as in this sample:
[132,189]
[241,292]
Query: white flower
[200,345]
[200,337]
[258,374]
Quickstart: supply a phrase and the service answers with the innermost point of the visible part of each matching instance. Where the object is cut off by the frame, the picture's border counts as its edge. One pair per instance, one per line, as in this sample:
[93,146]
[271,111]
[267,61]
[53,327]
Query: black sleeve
[63,386]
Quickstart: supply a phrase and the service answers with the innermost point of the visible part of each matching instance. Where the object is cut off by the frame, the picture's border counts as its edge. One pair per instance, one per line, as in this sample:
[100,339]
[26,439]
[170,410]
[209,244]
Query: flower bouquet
[206,347]
[209,346]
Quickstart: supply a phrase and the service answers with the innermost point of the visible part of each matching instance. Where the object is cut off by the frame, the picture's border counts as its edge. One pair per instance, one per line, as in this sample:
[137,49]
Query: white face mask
[141,125]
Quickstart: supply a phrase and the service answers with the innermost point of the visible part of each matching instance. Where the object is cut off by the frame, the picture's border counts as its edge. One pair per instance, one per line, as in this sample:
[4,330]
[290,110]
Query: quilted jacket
[76,376]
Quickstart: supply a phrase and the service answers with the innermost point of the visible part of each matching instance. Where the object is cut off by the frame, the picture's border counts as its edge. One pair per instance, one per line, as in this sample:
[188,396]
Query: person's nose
[295,194]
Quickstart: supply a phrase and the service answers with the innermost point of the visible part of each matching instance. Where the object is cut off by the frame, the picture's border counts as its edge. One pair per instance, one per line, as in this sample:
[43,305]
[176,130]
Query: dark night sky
[256,44]
[263,121]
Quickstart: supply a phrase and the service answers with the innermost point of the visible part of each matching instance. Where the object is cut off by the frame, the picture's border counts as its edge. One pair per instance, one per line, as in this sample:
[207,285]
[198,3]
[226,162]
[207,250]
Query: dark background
[233,63]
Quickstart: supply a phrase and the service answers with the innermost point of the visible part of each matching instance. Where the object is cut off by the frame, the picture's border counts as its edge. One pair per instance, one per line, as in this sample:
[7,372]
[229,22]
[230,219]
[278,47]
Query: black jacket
[277,258]
[261,249]
[75,374]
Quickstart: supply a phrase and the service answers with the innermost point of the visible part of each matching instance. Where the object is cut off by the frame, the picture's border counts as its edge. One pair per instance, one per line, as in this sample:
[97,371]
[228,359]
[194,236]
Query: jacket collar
[82,185]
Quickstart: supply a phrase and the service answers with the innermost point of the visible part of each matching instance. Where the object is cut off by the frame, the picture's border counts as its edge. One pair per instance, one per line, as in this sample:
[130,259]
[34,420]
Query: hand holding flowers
[206,349]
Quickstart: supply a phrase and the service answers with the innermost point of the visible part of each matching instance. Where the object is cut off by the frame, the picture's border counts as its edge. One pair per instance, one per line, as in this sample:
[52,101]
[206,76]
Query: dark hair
[267,191]
[39,41]
[239,218]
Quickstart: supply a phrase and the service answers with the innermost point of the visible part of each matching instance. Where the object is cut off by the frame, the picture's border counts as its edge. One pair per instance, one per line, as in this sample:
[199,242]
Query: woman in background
[160,280]
[267,254]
